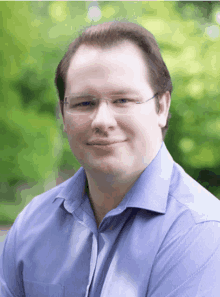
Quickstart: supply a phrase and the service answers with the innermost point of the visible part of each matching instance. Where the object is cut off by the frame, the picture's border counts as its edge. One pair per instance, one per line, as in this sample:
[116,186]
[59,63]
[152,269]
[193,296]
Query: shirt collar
[73,190]
[149,192]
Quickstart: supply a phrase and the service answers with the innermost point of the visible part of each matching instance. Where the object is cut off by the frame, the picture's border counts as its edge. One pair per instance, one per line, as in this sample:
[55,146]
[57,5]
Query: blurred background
[35,154]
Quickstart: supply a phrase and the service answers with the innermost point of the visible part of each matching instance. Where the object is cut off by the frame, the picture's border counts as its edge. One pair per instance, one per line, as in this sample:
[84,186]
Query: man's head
[110,34]
[104,62]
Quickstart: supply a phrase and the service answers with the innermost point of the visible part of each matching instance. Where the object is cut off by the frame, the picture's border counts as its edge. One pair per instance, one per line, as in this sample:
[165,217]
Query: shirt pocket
[36,289]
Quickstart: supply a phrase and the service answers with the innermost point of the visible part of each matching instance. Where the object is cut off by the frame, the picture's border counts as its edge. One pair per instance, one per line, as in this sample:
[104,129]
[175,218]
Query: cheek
[143,131]
[140,126]
[76,136]
[74,128]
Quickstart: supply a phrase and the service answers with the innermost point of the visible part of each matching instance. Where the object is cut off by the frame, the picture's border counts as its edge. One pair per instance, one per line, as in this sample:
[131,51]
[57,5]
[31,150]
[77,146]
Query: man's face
[138,135]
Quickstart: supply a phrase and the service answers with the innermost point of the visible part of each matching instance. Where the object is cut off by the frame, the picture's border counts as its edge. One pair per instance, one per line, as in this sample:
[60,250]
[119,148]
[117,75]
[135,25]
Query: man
[130,222]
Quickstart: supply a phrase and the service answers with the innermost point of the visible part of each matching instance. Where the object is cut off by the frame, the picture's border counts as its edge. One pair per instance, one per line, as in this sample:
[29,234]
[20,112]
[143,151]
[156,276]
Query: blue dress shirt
[162,240]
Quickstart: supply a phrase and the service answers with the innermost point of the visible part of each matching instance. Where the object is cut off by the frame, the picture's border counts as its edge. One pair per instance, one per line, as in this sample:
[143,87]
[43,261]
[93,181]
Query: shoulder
[192,197]
[38,221]
[40,209]
[188,256]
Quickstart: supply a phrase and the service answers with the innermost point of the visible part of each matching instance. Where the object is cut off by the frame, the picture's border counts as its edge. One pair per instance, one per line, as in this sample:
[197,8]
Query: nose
[103,117]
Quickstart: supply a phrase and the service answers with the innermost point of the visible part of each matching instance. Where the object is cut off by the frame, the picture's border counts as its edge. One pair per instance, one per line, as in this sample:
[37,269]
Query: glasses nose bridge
[108,101]
[105,98]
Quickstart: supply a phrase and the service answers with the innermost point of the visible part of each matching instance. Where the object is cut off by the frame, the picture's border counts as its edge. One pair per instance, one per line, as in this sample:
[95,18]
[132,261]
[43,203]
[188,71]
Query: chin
[103,166]
[110,166]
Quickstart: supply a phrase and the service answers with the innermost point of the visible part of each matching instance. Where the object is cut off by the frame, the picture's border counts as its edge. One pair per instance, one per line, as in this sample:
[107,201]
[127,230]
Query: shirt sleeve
[10,271]
[189,265]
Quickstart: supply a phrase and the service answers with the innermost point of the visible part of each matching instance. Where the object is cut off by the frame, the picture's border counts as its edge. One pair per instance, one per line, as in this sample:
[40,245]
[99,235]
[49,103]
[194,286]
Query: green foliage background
[34,37]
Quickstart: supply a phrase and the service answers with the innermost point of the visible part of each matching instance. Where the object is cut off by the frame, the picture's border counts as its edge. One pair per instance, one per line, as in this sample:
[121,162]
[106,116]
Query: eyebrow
[123,92]
[118,92]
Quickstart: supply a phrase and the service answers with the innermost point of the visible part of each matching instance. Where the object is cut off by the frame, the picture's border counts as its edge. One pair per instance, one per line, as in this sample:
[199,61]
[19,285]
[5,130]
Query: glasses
[87,104]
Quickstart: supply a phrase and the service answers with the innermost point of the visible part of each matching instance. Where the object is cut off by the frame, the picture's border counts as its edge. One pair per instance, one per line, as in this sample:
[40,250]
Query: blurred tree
[34,37]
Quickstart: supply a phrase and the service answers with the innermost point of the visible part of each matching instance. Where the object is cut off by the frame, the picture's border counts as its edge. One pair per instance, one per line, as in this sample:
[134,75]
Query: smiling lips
[104,142]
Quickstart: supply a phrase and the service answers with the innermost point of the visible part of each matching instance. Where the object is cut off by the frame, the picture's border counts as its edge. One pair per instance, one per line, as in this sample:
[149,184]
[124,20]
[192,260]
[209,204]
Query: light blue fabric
[163,240]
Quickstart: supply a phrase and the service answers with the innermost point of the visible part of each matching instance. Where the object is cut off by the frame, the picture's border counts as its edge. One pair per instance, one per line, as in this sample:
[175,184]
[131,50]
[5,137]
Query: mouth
[103,143]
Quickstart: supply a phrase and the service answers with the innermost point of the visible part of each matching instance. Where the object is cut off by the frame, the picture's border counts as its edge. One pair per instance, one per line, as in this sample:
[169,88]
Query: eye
[82,103]
[85,103]
[123,100]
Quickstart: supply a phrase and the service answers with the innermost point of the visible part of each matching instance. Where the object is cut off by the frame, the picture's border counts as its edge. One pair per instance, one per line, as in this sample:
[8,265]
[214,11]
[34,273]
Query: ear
[60,110]
[164,102]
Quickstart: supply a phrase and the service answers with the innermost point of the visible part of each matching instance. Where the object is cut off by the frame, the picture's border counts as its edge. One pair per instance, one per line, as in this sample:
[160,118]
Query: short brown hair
[110,34]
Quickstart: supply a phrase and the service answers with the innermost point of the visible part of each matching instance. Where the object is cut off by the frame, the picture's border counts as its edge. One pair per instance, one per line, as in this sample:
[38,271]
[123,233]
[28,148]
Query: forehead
[88,54]
[120,64]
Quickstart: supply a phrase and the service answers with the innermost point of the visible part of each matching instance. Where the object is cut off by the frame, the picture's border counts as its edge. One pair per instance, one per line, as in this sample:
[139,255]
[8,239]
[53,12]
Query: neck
[106,191]
[106,186]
